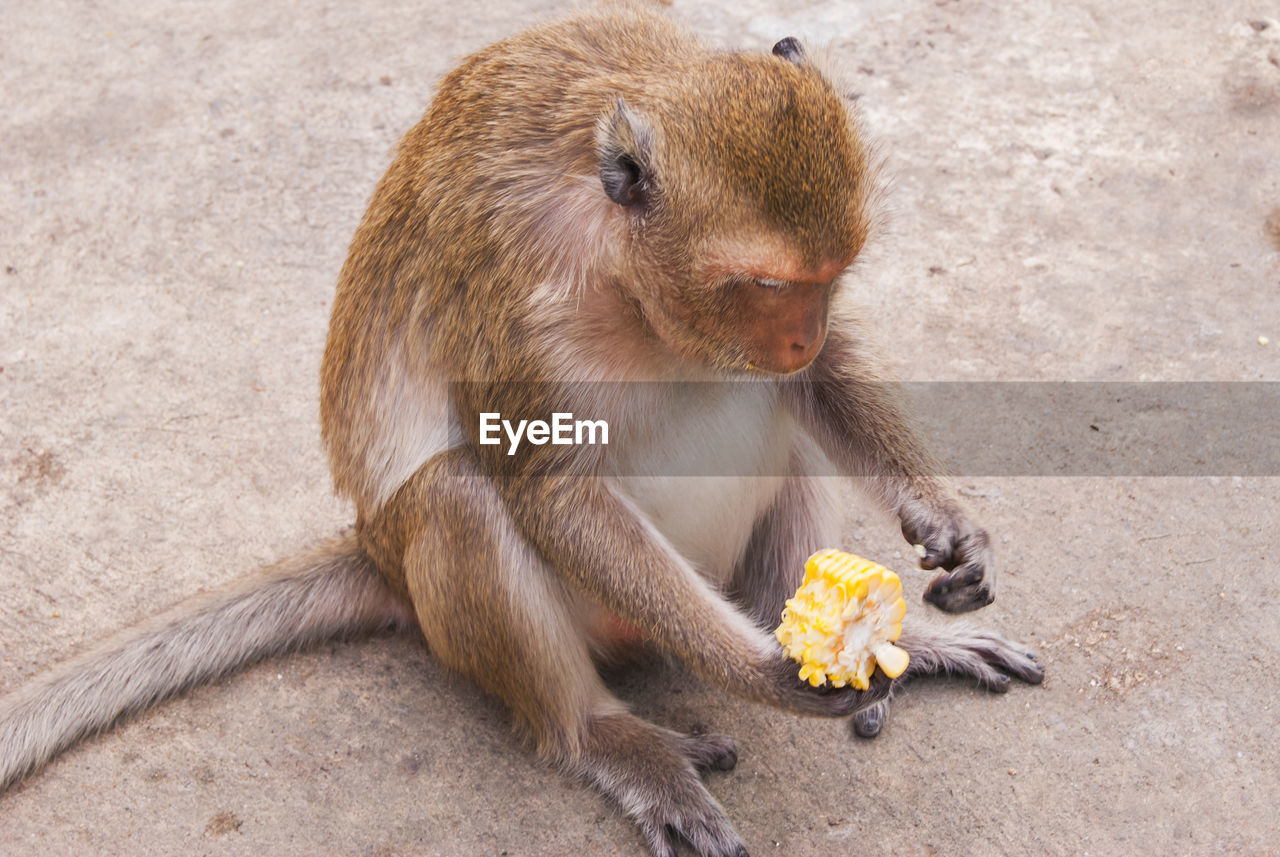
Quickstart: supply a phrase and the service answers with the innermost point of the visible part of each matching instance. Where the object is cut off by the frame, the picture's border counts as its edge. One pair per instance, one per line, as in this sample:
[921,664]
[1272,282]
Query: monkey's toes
[710,752]
[1006,660]
[1029,669]
[699,822]
[997,683]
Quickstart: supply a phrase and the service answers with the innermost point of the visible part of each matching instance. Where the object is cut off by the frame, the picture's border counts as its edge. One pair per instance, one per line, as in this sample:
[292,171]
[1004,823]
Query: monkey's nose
[800,354]
[807,341]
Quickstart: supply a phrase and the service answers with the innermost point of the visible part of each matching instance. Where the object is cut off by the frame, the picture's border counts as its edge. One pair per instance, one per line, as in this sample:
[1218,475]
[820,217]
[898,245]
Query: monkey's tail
[332,591]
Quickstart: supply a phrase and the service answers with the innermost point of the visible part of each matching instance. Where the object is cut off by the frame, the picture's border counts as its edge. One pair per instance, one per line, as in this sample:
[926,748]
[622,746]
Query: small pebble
[1262,340]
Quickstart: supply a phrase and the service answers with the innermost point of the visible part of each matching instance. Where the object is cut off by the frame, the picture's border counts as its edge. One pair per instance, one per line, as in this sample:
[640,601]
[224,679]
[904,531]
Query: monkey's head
[744,185]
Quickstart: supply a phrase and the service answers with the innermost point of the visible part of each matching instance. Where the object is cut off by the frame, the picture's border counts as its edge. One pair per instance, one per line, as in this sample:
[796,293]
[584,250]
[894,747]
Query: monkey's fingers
[801,697]
[949,546]
[960,591]
[965,552]
[936,557]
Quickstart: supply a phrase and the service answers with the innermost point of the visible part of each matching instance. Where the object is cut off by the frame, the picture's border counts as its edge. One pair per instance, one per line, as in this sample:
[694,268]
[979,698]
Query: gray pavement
[1076,191]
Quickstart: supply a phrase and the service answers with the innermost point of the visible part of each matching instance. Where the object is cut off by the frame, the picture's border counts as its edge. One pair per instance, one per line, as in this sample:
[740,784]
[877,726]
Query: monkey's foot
[693,816]
[955,648]
[653,774]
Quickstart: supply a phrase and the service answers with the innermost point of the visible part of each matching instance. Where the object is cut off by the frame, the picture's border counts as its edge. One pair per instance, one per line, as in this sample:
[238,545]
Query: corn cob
[843,621]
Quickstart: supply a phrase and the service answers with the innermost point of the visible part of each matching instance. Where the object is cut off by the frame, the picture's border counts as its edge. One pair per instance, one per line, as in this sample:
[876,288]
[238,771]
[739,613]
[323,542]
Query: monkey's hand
[954,543]
[798,695]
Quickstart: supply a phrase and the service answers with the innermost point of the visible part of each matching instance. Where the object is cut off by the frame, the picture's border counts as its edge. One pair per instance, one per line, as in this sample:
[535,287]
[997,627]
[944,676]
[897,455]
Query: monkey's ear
[625,144]
[789,49]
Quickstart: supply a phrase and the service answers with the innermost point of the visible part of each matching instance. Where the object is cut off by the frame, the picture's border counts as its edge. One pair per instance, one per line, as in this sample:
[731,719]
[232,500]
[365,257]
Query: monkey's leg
[955,648]
[963,649]
[491,609]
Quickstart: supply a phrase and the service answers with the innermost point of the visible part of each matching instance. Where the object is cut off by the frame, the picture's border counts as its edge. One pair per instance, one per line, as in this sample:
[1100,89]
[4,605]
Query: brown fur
[589,206]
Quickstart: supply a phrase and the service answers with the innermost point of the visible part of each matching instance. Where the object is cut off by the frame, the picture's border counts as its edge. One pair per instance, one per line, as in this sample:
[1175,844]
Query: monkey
[607,217]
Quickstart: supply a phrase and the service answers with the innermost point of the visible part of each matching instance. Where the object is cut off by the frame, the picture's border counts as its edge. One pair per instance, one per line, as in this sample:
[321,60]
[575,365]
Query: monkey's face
[764,311]
[781,325]
[743,210]
[754,302]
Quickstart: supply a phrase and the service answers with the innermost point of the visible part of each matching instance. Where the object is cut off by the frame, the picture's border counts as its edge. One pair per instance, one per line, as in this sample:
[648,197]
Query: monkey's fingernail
[938,558]
[866,728]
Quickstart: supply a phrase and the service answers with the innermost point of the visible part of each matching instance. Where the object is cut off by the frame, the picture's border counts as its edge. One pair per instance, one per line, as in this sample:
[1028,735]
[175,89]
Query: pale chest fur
[712,470]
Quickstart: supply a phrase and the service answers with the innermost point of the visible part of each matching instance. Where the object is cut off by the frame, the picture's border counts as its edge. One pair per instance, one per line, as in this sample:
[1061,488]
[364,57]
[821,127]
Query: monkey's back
[463,212]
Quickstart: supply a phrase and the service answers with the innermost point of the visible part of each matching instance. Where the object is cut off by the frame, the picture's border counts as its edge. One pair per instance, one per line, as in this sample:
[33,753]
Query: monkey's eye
[775,285]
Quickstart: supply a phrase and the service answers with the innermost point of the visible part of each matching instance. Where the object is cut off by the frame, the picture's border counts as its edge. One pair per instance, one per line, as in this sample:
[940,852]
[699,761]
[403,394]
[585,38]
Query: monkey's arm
[601,543]
[857,415]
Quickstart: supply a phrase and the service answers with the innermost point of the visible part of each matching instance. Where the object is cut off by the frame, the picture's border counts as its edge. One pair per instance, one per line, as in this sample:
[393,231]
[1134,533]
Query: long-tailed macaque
[590,215]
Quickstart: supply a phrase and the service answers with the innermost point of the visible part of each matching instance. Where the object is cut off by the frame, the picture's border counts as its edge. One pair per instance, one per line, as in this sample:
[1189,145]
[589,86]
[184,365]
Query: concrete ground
[1078,191]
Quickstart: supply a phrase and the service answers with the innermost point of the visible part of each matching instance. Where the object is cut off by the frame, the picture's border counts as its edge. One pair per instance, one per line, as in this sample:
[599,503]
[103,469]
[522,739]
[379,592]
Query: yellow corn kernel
[843,620]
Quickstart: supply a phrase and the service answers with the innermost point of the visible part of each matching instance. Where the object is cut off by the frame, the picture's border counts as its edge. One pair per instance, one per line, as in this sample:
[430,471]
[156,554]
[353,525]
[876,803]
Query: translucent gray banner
[975,428]
[1102,429]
